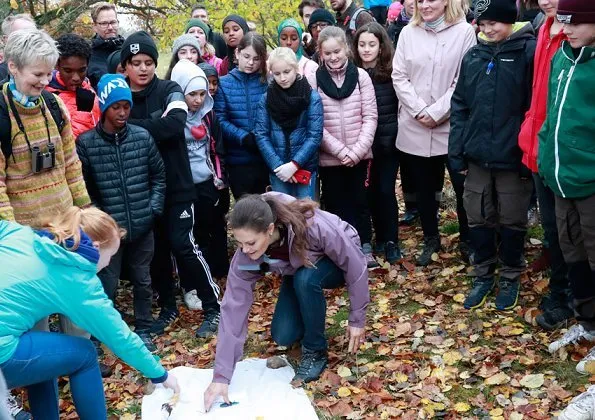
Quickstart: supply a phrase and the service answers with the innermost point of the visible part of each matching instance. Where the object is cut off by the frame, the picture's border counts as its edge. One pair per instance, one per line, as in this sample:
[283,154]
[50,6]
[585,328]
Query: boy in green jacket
[567,162]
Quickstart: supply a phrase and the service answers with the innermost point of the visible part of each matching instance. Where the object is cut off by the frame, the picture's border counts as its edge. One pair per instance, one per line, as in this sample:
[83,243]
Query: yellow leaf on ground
[401,377]
[435,257]
[497,379]
[452,357]
[344,372]
[462,407]
[459,298]
[496,412]
[532,381]
[344,392]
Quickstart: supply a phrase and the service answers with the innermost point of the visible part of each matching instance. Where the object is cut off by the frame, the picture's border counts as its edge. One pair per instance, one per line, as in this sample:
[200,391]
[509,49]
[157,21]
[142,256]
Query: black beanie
[138,43]
[113,60]
[504,11]
[321,15]
[237,19]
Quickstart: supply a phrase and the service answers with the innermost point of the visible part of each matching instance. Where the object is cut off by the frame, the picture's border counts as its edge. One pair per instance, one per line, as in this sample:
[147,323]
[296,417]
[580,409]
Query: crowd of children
[501,101]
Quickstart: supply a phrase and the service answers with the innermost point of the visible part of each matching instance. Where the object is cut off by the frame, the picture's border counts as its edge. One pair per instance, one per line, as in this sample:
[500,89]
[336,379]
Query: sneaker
[581,407]
[370,260]
[555,299]
[311,366]
[409,217]
[431,246]
[554,317]
[508,294]
[581,367]
[145,336]
[165,319]
[192,301]
[15,409]
[392,252]
[209,325]
[379,248]
[482,287]
[573,335]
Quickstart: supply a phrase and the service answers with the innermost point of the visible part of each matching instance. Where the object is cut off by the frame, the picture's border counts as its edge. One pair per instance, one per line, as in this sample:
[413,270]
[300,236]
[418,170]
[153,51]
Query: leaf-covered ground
[425,355]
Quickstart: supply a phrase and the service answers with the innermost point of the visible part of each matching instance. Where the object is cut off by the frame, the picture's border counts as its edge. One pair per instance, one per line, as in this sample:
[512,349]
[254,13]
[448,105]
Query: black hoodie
[148,108]
[102,48]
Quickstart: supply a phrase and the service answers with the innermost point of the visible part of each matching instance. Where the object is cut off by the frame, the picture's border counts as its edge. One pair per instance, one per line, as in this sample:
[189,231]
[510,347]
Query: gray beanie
[183,41]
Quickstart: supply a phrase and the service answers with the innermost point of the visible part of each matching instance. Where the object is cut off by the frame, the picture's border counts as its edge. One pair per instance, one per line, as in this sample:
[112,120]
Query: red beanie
[576,11]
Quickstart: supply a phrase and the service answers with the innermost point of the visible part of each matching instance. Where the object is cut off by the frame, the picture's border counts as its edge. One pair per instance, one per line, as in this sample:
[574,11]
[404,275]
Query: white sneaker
[581,407]
[573,335]
[15,409]
[582,365]
[192,301]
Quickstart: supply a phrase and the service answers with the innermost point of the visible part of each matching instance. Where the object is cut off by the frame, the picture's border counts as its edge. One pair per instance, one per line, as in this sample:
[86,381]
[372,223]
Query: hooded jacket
[236,102]
[492,95]
[544,52]
[101,49]
[39,277]
[125,176]
[80,121]
[160,109]
[197,131]
[327,235]
[349,123]
[303,143]
[425,72]
[566,148]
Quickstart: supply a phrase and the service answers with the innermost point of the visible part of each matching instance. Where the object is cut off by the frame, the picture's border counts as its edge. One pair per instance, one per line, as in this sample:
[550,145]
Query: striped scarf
[26,101]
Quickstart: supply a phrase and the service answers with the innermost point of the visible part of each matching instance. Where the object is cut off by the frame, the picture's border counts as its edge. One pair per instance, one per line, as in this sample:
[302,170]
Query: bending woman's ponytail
[98,225]
[256,212]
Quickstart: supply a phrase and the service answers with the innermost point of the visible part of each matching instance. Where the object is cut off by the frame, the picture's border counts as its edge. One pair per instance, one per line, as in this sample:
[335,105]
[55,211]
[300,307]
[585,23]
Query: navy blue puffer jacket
[125,176]
[236,102]
[304,141]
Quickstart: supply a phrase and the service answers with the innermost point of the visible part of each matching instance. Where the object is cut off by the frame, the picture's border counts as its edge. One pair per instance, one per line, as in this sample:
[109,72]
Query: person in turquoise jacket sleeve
[53,270]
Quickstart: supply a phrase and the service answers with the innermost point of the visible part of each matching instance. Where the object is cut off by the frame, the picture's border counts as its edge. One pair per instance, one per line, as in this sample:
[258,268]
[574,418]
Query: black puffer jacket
[489,103]
[388,105]
[125,176]
[101,49]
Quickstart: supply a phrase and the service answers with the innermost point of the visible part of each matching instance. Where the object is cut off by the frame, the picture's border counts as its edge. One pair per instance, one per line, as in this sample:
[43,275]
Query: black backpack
[5,127]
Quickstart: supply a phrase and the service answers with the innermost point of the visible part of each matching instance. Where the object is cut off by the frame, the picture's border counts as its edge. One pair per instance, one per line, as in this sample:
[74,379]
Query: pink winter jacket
[350,123]
[425,71]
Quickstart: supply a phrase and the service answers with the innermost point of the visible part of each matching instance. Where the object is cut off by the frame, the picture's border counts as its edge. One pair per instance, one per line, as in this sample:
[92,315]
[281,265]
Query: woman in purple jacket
[313,250]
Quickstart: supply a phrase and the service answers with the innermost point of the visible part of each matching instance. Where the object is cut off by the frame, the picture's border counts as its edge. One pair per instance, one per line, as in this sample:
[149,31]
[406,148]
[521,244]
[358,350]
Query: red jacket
[81,121]
[535,117]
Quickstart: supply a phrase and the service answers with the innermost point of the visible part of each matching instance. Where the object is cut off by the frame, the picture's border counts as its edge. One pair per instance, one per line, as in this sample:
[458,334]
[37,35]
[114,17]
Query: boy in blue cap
[125,177]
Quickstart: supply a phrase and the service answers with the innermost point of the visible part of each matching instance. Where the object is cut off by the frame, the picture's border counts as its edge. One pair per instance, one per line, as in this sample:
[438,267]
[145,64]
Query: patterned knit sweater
[25,196]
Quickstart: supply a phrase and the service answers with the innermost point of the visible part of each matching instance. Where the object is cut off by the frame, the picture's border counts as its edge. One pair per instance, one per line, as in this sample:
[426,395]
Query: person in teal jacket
[53,270]
[566,162]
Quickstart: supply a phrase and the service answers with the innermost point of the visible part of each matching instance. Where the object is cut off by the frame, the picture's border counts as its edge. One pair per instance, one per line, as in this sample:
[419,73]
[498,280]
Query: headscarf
[292,23]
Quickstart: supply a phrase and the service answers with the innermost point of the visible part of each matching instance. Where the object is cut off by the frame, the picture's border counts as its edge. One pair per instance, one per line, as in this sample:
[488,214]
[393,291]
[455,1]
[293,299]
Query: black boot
[311,366]
[431,245]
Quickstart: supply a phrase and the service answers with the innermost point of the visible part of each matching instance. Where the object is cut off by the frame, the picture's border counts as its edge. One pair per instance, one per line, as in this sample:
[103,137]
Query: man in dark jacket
[350,17]
[125,177]
[105,41]
[199,11]
[492,95]
[159,107]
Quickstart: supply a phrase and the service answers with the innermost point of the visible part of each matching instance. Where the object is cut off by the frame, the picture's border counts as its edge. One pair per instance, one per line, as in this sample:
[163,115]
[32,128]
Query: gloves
[249,142]
[286,171]
[85,99]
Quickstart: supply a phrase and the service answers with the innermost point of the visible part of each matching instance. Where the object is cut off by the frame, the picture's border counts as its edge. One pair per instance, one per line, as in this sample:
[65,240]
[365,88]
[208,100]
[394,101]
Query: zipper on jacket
[122,179]
[560,109]
[342,123]
[560,77]
[249,102]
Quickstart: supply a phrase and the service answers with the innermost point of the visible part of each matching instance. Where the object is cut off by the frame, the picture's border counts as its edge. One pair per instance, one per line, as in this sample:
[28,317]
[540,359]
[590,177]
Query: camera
[43,160]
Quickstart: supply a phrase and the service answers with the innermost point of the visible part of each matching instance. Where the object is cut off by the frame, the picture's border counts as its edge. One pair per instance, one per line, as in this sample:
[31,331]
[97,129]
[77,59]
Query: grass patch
[409,307]
[450,228]
[535,231]
[566,374]
[460,394]
[336,328]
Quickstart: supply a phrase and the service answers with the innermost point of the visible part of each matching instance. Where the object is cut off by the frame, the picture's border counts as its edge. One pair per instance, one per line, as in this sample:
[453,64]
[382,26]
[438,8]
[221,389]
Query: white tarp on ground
[261,393]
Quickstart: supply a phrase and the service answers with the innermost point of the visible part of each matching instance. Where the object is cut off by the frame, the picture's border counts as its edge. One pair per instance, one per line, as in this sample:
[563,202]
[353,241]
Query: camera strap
[16,116]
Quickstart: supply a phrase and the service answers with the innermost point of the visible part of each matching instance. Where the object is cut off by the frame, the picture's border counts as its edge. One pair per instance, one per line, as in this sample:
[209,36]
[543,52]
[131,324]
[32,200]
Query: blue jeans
[295,190]
[300,313]
[42,357]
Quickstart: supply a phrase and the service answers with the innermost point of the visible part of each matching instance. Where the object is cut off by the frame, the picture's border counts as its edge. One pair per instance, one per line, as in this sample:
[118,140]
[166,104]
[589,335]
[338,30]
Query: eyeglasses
[112,23]
[319,25]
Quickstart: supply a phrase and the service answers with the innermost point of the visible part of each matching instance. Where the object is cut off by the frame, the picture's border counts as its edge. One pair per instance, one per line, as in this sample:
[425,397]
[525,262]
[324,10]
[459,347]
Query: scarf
[436,23]
[286,105]
[26,101]
[292,23]
[404,17]
[328,86]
